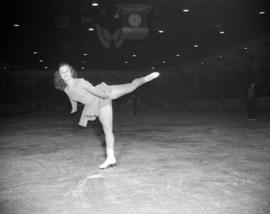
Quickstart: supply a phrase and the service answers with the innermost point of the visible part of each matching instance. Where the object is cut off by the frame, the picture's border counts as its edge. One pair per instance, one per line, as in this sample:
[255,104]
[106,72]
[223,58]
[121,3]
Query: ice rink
[169,162]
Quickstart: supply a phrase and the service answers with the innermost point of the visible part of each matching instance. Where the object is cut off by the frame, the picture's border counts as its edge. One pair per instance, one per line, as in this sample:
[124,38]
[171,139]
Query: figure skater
[97,101]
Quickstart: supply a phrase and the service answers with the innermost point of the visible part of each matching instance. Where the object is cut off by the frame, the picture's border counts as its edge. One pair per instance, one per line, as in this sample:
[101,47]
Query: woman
[97,101]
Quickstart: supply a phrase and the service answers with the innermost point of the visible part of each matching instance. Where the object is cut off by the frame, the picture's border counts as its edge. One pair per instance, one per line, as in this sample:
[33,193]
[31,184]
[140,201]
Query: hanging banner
[106,38]
[134,21]
[117,38]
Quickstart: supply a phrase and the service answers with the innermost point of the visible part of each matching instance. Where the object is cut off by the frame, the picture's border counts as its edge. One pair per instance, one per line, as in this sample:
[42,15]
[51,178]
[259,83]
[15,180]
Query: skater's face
[65,72]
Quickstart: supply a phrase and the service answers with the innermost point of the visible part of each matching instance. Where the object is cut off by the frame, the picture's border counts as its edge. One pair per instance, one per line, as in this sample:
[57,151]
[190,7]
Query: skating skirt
[91,110]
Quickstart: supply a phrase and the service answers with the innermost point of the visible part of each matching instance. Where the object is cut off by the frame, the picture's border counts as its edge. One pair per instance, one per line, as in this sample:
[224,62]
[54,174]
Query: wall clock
[134,20]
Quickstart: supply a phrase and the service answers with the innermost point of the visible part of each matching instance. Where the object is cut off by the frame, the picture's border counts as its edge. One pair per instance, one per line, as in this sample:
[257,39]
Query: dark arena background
[196,140]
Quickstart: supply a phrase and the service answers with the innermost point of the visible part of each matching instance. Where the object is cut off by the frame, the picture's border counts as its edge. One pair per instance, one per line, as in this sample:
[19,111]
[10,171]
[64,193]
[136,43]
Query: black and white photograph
[135,107]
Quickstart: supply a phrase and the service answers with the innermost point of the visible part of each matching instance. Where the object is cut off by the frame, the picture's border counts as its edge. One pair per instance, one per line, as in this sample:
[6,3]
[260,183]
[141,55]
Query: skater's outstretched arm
[93,90]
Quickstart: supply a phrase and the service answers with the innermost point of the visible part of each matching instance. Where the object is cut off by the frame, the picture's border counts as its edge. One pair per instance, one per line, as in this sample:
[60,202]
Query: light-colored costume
[92,103]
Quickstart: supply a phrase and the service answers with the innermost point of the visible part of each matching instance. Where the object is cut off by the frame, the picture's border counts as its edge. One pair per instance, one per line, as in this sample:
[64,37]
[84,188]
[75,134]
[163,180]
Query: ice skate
[151,76]
[110,162]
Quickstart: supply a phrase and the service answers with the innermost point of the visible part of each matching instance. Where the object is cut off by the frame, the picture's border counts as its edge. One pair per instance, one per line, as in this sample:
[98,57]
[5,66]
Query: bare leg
[120,90]
[106,119]
[106,114]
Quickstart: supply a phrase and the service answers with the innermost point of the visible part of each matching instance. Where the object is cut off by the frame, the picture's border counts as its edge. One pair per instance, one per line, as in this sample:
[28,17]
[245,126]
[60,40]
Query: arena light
[161,31]
[91,29]
[186,10]
[95,4]
[177,55]
[262,12]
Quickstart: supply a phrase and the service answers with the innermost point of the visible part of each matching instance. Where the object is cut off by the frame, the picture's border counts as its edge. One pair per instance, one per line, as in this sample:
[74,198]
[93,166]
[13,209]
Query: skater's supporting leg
[120,90]
[106,119]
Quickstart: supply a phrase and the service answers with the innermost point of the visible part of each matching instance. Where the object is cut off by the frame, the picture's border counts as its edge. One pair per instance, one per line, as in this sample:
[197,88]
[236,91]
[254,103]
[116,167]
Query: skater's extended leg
[106,119]
[120,90]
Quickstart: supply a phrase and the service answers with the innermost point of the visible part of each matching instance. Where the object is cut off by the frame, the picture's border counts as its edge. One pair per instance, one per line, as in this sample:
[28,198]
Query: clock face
[134,20]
